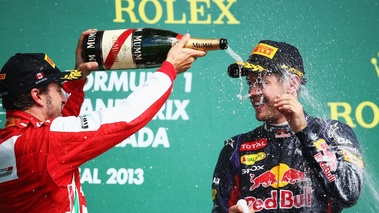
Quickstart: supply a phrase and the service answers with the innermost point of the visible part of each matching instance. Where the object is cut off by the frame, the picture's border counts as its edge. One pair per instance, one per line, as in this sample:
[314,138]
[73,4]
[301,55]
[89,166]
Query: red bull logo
[266,179]
[325,167]
[279,176]
[327,160]
[287,200]
[328,156]
[292,175]
[282,134]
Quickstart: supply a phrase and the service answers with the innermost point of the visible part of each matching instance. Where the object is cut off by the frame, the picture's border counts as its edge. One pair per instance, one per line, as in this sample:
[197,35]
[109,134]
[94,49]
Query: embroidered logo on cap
[265,50]
[39,75]
[48,60]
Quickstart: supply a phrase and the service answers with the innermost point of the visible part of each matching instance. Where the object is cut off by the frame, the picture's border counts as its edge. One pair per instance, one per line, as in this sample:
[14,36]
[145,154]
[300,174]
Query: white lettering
[120,176]
[171,110]
[146,138]
[116,81]
[167,113]
[91,177]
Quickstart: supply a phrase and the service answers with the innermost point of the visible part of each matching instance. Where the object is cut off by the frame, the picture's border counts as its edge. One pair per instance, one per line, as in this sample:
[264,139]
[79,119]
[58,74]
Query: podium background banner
[168,165]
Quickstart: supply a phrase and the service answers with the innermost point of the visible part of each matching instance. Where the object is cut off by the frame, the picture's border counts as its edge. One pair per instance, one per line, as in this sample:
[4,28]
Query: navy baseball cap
[270,56]
[25,71]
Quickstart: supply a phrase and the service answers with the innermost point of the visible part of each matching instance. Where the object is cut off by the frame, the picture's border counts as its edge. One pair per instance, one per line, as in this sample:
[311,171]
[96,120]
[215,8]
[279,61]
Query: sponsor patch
[214,192]
[230,142]
[265,50]
[282,199]
[252,158]
[348,156]
[84,122]
[48,60]
[39,75]
[282,133]
[277,177]
[254,145]
[2,76]
[8,169]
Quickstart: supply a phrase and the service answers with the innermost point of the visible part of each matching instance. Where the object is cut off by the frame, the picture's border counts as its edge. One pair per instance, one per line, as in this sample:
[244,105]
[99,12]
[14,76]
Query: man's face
[54,101]
[263,89]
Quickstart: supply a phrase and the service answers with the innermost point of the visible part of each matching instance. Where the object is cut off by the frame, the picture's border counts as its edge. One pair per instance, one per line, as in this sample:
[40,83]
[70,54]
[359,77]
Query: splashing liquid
[239,61]
[370,194]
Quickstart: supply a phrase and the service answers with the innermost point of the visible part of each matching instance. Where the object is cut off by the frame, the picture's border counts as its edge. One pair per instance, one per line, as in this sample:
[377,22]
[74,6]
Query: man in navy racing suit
[293,162]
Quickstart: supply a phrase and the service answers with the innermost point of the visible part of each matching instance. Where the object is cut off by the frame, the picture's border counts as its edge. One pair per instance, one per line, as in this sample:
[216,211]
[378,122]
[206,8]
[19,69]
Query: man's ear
[294,84]
[36,96]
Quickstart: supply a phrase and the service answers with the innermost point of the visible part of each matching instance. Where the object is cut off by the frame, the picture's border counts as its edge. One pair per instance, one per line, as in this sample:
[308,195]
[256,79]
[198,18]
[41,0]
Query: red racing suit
[39,161]
[319,169]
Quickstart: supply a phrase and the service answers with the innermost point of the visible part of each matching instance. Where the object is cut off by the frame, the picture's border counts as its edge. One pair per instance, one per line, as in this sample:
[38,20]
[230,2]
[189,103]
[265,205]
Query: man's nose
[64,99]
[255,90]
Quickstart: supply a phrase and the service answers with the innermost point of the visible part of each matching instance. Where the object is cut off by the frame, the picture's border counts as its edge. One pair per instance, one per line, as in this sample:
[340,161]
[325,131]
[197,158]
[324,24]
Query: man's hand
[182,58]
[84,67]
[291,108]
[239,209]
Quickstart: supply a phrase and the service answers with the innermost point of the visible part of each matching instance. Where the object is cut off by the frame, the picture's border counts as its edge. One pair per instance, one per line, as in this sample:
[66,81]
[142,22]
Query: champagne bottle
[138,48]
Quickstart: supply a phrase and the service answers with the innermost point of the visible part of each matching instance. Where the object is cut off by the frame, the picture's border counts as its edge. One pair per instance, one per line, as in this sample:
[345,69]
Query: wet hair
[21,102]
[281,76]
[286,76]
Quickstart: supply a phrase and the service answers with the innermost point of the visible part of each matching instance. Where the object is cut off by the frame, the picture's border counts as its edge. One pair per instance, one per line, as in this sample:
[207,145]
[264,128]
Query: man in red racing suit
[40,156]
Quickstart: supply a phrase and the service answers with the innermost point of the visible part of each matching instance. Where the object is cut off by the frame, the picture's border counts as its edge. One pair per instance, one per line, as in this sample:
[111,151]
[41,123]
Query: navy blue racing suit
[319,169]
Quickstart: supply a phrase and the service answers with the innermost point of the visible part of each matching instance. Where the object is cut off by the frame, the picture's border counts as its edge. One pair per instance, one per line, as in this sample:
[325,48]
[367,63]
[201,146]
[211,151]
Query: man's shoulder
[251,132]
[326,122]
[247,135]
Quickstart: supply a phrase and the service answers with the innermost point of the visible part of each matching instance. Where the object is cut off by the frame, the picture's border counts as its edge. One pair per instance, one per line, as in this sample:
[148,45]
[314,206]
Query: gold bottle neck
[207,44]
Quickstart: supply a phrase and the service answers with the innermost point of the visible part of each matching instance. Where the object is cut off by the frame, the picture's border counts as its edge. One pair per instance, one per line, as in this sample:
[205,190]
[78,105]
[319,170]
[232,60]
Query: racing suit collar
[278,131]
[281,130]
[22,119]
[273,127]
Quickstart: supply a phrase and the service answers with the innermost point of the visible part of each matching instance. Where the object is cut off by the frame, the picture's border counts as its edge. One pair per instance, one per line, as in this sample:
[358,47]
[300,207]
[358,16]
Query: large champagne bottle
[138,48]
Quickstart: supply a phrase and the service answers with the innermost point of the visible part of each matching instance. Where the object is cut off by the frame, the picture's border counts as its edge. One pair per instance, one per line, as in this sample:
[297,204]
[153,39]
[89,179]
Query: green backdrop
[168,165]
